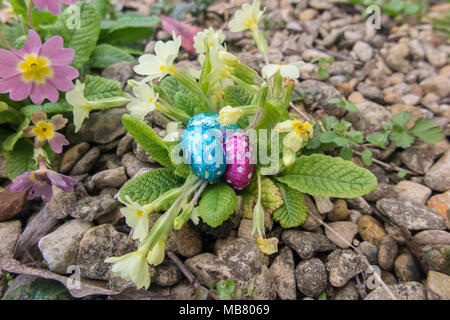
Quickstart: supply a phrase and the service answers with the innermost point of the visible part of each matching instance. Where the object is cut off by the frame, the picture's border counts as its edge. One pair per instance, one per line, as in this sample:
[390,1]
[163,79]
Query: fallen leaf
[85,289]
[186,31]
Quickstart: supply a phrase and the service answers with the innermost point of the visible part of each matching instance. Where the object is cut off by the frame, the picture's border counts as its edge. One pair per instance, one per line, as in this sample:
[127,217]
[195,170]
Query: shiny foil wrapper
[239,170]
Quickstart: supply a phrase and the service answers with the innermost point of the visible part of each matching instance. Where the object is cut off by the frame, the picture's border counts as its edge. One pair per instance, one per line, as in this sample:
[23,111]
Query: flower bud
[229,115]
[228,58]
[156,255]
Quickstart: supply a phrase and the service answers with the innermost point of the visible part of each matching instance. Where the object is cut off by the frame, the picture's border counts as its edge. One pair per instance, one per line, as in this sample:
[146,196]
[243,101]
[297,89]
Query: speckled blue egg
[202,145]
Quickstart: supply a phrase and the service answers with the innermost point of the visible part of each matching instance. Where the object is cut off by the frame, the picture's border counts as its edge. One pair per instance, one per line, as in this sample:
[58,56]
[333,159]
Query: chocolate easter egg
[239,170]
[202,145]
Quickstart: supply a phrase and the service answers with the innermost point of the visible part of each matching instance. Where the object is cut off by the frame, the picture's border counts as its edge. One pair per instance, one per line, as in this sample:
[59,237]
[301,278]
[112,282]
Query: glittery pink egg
[239,170]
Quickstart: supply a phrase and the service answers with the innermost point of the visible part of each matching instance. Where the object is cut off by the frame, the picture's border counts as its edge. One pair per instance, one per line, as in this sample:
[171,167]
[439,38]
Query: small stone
[406,268]
[61,203]
[87,162]
[371,229]
[125,145]
[323,204]
[432,237]
[369,118]
[403,291]
[60,247]
[438,285]
[340,211]
[360,204]
[9,233]
[306,244]
[356,98]
[110,178]
[245,230]
[416,49]
[411,191]
[311,224]
[99,243]
[167,274]
[121,71]
[188,241]
[342,265]
[397,63]
[101,127]
[311,277]
[363,51]
[417,158]
[345,229]
[348,292]
[307,14]
[12,204]
[283,271]
[441,203]
[370,251]
[412,216]
[132,164]
[383,190]
[437,57]
[387,252]
[437,178]
[439,85]
[317,93]
[141,154]
[438,255]
[91,208]
[72,155]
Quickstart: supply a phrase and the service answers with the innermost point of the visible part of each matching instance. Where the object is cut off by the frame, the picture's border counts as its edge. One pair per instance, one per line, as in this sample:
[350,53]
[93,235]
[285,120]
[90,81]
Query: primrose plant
[229,133]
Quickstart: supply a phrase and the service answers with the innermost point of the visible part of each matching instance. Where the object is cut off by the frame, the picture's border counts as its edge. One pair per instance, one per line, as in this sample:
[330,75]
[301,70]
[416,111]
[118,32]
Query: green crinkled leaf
[327,176]
[128,28]
[11,140]
[148,186]
[218,202]
[83,39]
[20,159]
[100,88]
[236,96]
[171,87]
[248,202]
[274,112]
[271,198]
[148,139]
[105,55]
[39,289]
[11,33]
[49,108]
[427,131]
[293,212]
[6,116]
[102,6]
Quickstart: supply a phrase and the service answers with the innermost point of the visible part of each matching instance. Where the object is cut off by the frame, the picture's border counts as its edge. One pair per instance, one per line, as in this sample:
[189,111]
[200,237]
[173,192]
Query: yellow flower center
[150,100]
[139,213]
[251,23]
[302,128]
[44,130]
[162,67]
[35,69]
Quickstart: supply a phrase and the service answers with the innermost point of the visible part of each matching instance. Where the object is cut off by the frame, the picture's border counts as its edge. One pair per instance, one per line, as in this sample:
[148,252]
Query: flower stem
[30,13]
[5,41]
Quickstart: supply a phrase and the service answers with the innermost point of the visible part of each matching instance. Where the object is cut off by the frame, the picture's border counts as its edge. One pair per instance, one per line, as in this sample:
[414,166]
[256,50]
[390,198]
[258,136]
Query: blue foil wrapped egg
[202,145]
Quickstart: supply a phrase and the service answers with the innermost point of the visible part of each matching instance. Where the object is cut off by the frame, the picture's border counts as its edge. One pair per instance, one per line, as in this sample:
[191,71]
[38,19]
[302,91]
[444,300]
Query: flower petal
[42,91]
[18,89]
[32,45]
[37,116]
[8,63]
[58,121]
[57,142]
[21,182]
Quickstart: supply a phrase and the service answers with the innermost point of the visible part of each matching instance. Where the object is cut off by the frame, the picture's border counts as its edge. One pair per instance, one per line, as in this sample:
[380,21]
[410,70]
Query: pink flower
[40,182]
[45,130]
[53,5]
[37,70]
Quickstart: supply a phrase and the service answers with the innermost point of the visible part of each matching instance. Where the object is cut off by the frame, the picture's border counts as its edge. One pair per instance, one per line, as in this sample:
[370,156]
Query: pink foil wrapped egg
[239,170]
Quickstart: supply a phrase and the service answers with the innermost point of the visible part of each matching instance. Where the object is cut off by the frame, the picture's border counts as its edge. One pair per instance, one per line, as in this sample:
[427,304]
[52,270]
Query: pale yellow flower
[81,106]
[132,267]
[298,132]
[137,218]
[290,71]
[159,64]
[214,40]
[156,255]
[144,102]
[246,18]
[229,115]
